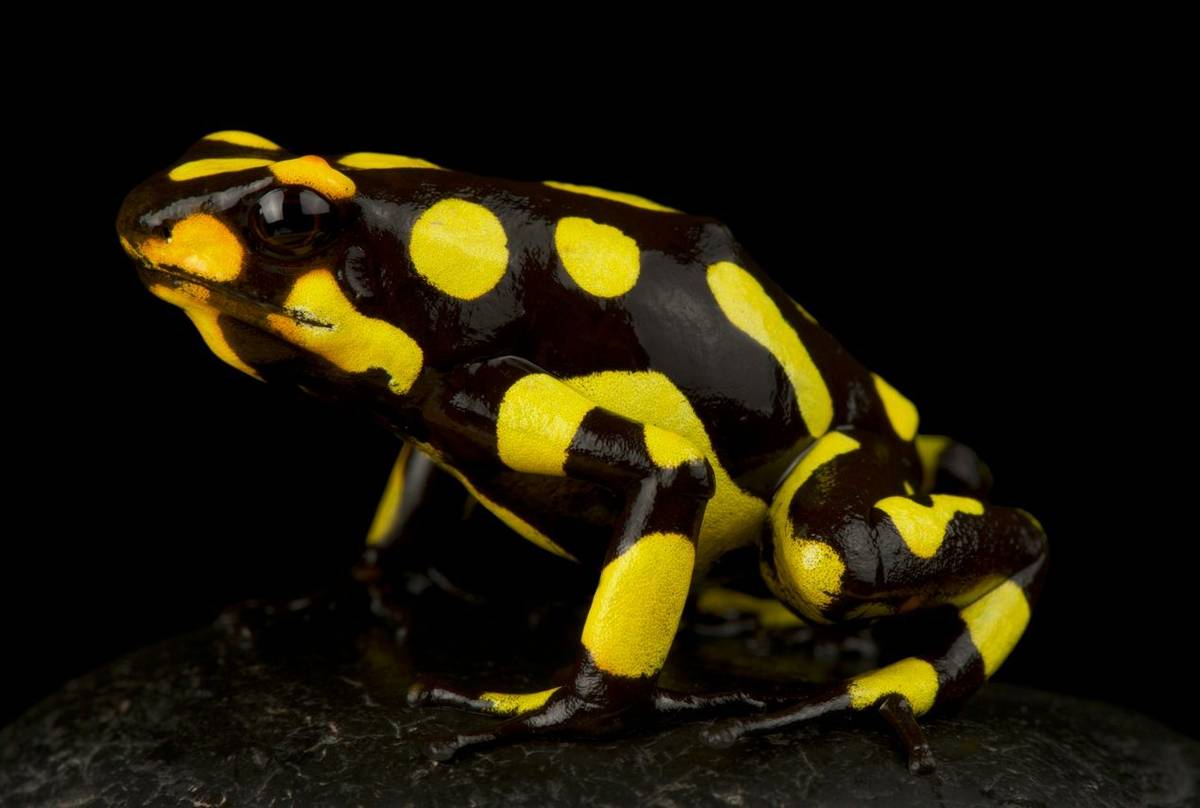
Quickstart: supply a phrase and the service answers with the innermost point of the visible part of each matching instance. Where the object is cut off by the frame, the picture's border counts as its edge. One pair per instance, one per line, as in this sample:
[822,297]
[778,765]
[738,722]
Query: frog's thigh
[850,538]
[951,467]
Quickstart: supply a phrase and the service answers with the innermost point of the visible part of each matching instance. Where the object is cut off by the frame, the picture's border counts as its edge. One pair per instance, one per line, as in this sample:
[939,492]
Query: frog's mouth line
[239,305]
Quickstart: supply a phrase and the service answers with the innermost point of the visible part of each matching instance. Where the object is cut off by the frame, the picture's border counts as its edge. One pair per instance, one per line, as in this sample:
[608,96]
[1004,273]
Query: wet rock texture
[312,712]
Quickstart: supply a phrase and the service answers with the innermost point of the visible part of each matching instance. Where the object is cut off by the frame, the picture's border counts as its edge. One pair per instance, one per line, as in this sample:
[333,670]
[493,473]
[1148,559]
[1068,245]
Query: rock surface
[312,712]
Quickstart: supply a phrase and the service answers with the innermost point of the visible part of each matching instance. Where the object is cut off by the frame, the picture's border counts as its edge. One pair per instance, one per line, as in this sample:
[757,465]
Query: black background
[995,242]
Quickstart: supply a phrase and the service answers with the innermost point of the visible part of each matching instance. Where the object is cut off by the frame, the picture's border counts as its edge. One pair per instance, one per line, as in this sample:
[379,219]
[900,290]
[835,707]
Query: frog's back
[658,315]
[652,309]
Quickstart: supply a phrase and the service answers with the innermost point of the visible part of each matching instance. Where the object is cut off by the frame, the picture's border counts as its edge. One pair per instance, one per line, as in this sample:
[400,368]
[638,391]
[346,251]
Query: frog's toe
[893,707]
[727,732]
[429,693]
[564,711]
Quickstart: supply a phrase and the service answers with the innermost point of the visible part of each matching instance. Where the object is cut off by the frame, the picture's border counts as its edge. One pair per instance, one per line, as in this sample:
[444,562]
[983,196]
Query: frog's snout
[133,225]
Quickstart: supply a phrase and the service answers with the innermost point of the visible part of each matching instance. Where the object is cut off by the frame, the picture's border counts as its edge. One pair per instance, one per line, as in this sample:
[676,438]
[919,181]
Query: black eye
[293,222]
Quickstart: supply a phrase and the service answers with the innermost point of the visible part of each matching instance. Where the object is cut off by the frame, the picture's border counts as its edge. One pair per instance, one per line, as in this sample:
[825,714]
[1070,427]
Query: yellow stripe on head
[240,138]
[215,165]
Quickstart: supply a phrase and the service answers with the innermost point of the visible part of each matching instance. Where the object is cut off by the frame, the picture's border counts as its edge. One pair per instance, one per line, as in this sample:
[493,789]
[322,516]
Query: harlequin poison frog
[622,385]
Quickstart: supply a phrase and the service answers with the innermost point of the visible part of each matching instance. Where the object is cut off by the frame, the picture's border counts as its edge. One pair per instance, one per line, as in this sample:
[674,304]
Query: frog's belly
[568,510]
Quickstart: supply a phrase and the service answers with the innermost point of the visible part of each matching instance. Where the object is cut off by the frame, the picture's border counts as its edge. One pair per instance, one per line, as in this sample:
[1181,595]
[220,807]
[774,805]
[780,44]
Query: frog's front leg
[507,413]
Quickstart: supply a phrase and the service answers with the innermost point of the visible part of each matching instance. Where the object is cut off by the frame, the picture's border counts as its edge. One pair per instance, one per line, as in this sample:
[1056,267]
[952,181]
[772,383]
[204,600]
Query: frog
[622,385]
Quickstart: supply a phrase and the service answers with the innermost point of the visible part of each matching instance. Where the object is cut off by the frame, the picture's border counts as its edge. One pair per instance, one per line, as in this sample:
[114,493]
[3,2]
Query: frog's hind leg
[852,539]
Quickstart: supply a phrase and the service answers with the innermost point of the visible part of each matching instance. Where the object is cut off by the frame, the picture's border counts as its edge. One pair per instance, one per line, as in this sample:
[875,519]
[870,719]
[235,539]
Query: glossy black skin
[668,322]
[537,320]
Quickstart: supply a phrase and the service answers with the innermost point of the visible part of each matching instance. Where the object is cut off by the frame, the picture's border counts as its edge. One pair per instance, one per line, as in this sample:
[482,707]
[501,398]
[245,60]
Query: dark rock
[313,713]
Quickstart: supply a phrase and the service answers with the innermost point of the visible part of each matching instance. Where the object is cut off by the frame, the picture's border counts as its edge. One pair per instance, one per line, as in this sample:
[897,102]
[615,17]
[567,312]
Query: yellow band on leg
[637,605]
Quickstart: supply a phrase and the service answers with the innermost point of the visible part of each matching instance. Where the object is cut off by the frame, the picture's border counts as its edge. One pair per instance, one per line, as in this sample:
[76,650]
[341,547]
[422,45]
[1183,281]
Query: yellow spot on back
[239,138]
[996,621]
[215,165]
[637,605]
[900,410]
[923,528]
[517,703]
[616,196]
[746,304]
[313,172]
[913,678]
[193,298]
[200,244]
[538,418]
[353,342]
[389,505]
[668,450]
[732,517]
[769,612]
[369,160]
[460,247]
[601,259]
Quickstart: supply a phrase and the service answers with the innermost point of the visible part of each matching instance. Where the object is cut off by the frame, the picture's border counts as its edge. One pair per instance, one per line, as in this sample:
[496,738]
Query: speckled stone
[313,713]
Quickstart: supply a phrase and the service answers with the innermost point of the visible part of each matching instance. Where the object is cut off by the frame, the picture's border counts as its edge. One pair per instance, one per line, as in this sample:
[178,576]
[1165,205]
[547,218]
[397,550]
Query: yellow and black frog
[623,386]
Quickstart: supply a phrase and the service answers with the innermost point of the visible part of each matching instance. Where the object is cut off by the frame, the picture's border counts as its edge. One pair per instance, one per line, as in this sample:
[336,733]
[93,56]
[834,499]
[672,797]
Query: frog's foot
[894,707]
[594,706]
[431,693]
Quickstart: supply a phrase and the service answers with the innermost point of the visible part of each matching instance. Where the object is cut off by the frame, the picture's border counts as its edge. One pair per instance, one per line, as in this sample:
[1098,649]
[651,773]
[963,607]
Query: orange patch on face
[201,245]
[313,172]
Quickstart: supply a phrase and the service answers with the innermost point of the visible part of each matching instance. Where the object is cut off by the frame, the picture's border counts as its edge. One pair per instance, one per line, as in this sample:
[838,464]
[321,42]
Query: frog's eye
[293,221]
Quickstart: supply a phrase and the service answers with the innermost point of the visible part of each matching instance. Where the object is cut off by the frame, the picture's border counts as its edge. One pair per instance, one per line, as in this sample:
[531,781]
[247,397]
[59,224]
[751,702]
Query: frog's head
[264,252]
